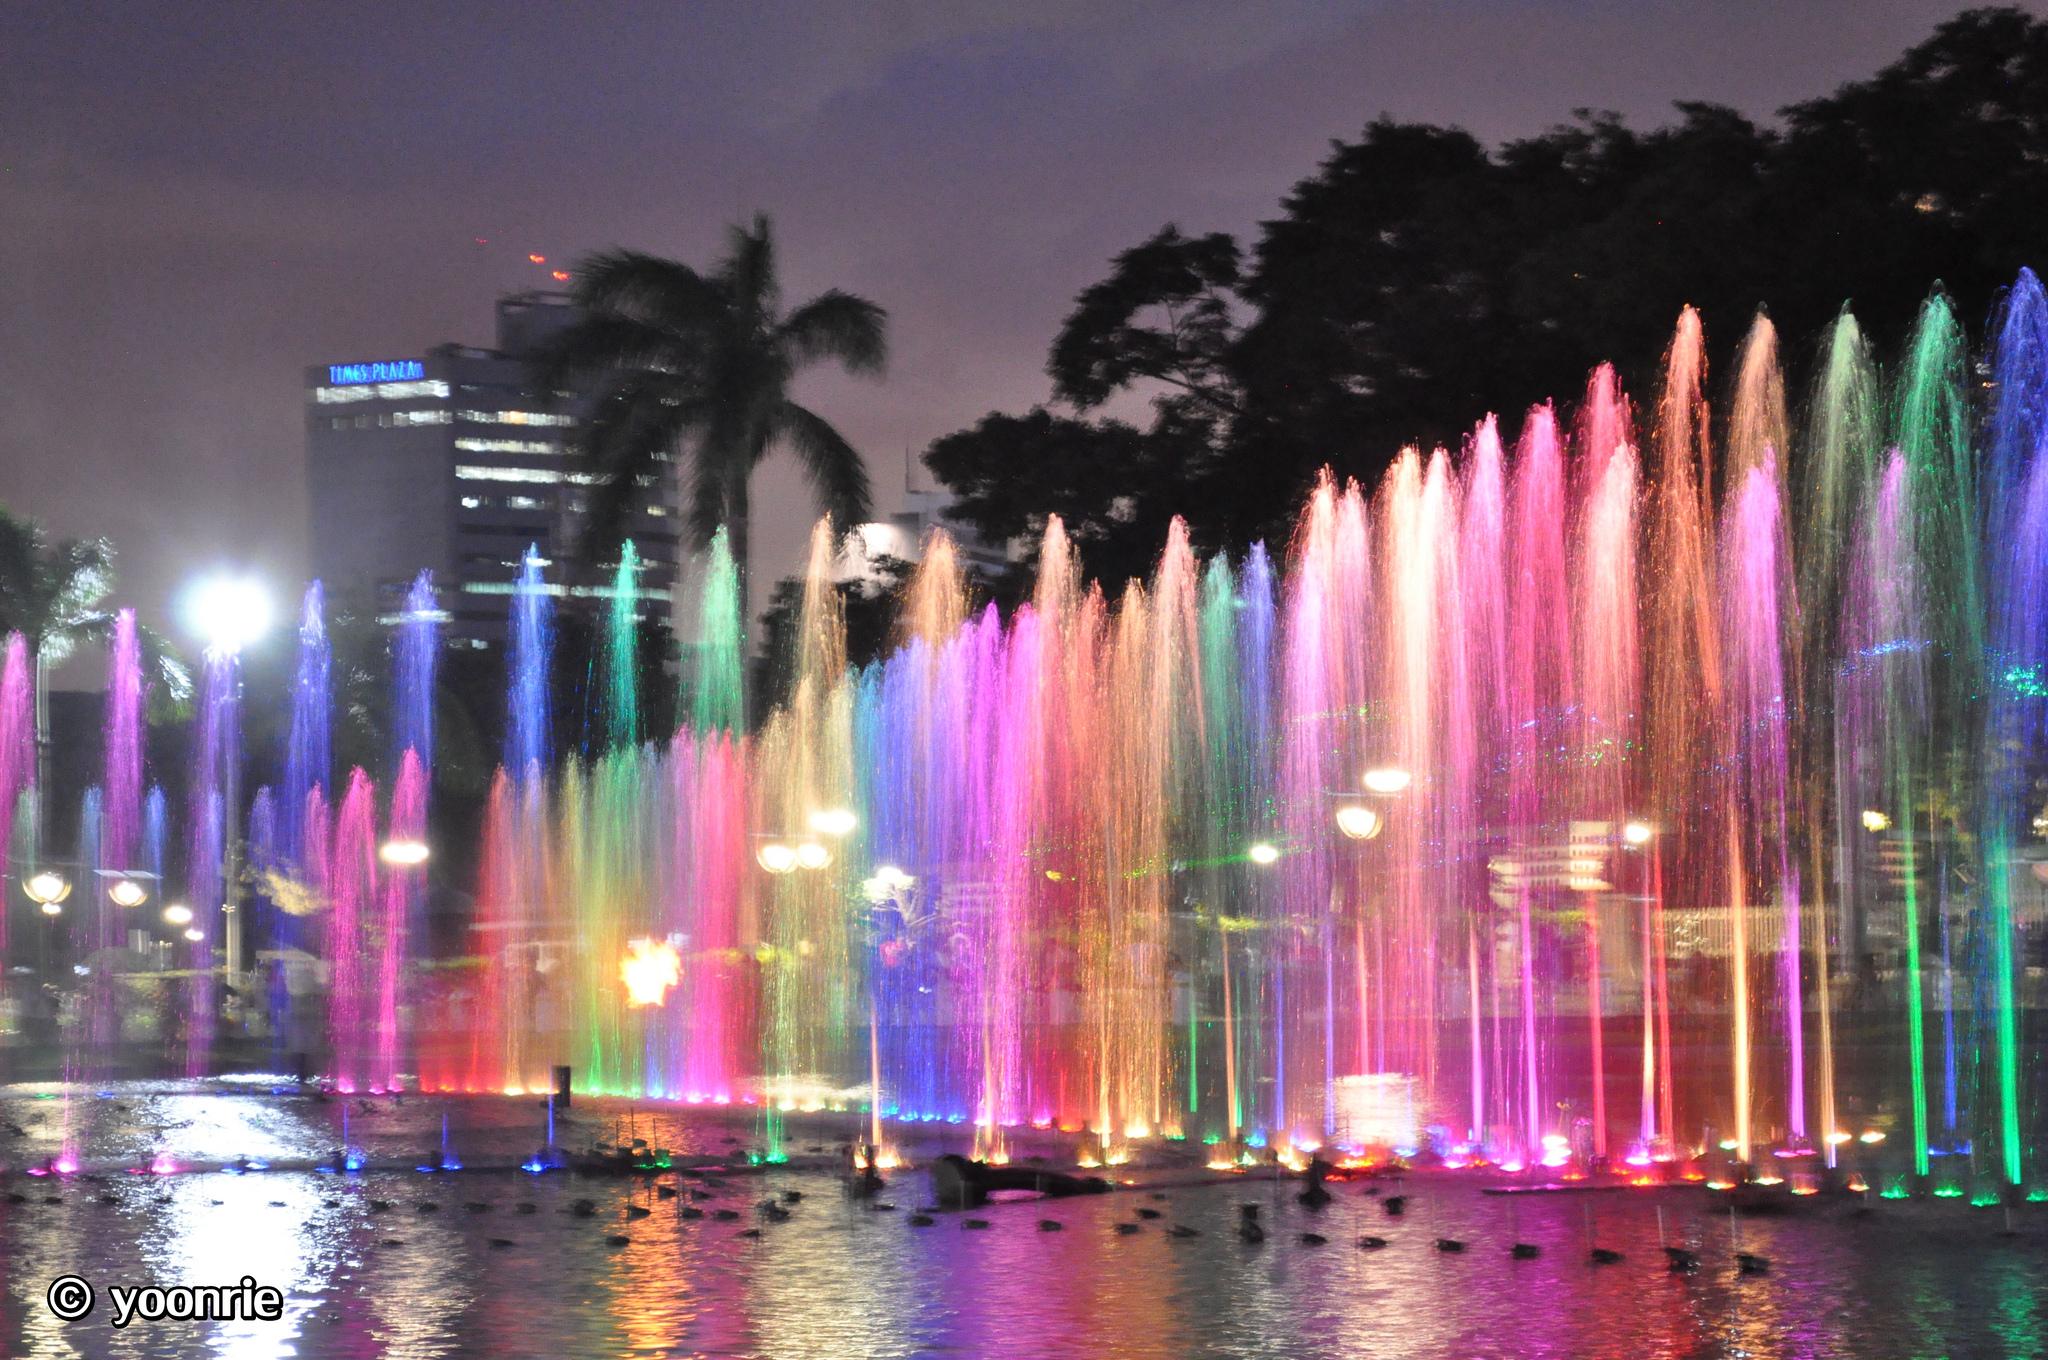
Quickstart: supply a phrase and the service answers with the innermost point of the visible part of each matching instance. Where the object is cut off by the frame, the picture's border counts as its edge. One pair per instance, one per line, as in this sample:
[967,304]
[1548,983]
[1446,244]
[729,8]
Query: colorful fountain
[1654,789]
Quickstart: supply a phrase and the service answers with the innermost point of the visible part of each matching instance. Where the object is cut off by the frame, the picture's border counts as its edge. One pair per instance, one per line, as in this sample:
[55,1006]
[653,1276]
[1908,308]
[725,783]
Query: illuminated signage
[388,370]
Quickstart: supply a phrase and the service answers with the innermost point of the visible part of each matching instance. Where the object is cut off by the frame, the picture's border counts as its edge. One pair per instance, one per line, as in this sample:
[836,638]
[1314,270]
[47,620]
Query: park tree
[1417,280]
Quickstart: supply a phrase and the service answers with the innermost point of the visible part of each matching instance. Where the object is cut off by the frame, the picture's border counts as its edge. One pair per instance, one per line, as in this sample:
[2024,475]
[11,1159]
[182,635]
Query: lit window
[391,391]
[469,472]
[473,445]
[558,589]
[472,502]
[515,418]
[473,472]
[525,503]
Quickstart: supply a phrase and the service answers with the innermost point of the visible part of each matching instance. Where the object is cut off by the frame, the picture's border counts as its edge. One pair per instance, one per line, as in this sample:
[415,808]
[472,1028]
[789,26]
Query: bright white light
[1875,820]
[1264,852]
[178,914]
[650,969]
[126,892]
[834,822]
[1387,779]
[1358,821]
[887,882]
[776,857]
[230,612]
[812,855]
[404,854]
[1637,833]
[53,908]
[48,888]
[195,935]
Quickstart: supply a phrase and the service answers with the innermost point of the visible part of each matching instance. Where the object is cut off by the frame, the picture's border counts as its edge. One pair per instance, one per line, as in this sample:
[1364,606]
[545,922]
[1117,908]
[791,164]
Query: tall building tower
[457,463]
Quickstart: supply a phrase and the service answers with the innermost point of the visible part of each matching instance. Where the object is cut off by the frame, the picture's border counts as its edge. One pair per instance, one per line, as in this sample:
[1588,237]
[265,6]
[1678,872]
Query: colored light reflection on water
[836,1278]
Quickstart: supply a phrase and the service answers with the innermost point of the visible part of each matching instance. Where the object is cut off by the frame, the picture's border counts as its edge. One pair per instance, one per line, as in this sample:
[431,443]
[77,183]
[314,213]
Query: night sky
[196,201]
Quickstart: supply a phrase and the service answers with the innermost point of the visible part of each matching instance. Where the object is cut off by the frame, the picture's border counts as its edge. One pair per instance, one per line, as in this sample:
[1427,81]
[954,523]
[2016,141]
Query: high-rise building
[902,536]
[455,462]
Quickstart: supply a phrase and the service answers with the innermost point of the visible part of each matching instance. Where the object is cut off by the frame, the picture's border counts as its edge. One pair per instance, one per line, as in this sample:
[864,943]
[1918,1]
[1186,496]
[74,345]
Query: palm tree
[698,366]
[51,593]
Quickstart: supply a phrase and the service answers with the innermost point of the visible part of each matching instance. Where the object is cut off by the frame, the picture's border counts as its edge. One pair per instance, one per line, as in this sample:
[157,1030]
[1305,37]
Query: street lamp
[229,612]
[1387,779]
[1359,822]
[1263,853]
[1875,820]
[126,892]
[404,854]
[1637,833]
[47,889]
[782,857]
[177,914]
[834,822]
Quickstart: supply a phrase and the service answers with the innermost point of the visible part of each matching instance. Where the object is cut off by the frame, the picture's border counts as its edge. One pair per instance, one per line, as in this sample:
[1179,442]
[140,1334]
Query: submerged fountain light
[1358,821]
[126,892]
[1388,779]
[177,914]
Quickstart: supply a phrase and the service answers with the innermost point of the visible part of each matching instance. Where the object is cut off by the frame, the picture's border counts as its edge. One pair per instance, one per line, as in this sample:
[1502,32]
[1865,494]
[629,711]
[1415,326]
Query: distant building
[902,535]
[454,462]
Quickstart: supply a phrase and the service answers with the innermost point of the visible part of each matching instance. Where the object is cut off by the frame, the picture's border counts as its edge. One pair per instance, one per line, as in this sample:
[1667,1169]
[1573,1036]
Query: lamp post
[229,612]
[47,889]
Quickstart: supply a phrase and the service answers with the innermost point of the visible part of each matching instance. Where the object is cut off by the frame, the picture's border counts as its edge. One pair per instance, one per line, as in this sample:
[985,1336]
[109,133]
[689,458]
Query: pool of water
[505,1264]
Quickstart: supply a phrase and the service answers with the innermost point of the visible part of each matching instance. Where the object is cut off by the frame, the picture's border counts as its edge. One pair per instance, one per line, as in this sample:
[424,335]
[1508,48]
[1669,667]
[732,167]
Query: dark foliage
[1417,281]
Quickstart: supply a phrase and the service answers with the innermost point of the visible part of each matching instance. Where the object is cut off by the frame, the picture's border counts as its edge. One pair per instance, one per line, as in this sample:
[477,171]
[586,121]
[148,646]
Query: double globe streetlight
[783,855]
[49,889]
[1360,821]
[1356,819]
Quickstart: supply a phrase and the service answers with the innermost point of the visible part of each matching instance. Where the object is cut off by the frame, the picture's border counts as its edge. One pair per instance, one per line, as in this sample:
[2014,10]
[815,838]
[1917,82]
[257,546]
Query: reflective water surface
[505,1264]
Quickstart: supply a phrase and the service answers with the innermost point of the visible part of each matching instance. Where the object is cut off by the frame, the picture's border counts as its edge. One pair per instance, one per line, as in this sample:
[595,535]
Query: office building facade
[456,462]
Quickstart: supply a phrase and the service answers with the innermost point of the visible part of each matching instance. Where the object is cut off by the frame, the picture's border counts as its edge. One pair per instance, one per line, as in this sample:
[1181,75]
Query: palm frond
[80,573]
[604,343]
[170,679]
[839,326]
[835,469]
[642,287]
